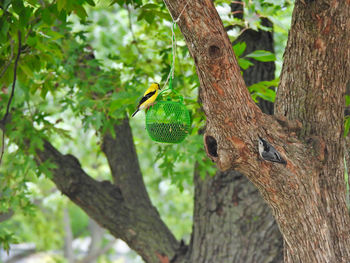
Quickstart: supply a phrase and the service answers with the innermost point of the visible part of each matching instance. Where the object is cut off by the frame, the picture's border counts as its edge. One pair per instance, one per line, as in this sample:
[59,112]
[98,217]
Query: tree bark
[232,223]
[316,49]
[228,207]
[306,195]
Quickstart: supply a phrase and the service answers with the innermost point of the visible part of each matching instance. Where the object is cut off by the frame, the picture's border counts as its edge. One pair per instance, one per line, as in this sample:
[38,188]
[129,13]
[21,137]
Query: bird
[148,98]
[269,153]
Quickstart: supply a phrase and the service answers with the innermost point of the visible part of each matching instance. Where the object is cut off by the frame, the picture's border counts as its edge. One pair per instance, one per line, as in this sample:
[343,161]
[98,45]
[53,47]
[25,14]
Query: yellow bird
[148,98]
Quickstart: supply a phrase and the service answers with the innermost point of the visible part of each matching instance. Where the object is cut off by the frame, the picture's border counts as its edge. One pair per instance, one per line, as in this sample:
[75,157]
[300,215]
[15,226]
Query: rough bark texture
[306,195]
[228,207]
[314,94]
[232,223]
[123,209]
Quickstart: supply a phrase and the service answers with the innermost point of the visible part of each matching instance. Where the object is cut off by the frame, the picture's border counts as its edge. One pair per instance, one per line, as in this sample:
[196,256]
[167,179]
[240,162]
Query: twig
[237,12]
[3,121]
[244,29]
[132,31]
[237,2]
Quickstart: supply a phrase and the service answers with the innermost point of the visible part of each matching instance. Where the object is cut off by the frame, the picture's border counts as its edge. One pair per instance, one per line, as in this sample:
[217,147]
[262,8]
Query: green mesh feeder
[168,122]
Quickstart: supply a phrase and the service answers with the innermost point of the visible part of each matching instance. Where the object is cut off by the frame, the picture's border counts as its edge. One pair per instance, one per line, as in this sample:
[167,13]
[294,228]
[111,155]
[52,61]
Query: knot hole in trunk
[211,146]
[214,51]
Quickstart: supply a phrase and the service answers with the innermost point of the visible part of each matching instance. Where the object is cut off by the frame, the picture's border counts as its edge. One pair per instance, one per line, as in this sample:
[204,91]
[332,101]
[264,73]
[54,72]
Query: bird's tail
[135,113]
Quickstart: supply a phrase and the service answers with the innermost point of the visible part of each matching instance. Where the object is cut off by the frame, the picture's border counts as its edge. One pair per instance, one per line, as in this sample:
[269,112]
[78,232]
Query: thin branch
[237,2]
[11,96]
[132,31]
[237,12]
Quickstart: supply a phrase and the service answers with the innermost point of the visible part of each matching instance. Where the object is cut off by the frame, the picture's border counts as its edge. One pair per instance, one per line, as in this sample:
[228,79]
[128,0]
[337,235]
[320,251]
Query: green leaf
[47,16]
[262,55]
[25,16]
[347,100]
[32,2]
[149,17]
[90,2]
[263,90]
[163,15]
[150,6]
[17,6]
[346,126]
[239,48]
[53,34]
[119,2]
[26,69]
[244,63]
[60,4]
[80,11]
[3,31]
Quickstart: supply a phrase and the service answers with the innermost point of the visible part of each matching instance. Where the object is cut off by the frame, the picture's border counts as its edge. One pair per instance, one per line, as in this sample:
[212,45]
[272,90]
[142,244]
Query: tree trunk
[232,223]
[307,195]
[228,207]
[316,48]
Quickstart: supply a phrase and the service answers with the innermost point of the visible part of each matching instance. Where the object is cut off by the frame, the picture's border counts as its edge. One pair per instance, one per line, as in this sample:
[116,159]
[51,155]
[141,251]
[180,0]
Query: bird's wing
[268,156]
[273,156]
[146,97]
[278,156]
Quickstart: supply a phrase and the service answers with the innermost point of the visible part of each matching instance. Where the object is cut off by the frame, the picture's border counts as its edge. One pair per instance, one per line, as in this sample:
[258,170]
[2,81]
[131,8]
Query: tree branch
[3,121]
[124,209]
[122,158]
[313,91]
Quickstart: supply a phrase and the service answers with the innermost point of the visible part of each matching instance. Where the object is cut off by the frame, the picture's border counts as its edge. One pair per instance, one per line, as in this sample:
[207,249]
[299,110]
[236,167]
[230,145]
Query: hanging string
[173,55]
[173,50]
[183,9]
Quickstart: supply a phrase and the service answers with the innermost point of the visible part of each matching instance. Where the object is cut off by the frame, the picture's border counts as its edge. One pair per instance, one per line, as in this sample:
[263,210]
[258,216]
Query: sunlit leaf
[244,63]
[239,48]
[346,126]
[262,55]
